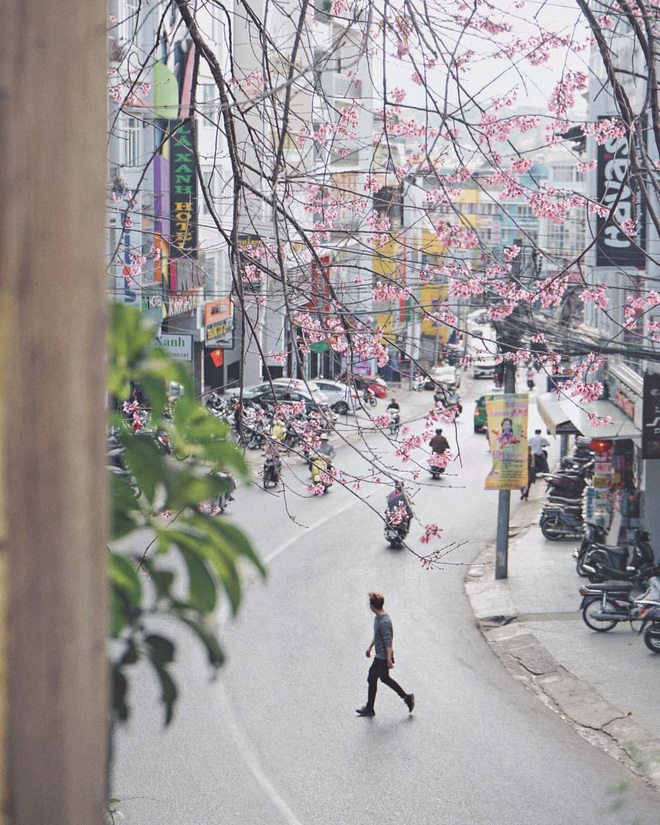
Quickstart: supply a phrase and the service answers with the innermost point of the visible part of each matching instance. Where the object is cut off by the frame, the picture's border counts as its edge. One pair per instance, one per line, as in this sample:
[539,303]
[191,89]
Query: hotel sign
[183,191]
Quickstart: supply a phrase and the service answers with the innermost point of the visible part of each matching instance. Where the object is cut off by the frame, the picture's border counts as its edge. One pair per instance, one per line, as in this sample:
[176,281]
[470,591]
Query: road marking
[242,743]
[294,539]
[252,763]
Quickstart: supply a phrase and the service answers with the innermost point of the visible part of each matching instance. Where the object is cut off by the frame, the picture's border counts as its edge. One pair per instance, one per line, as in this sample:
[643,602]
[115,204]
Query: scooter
[622,562]
[321,470]
[435,469]
[561,523]
[605,605]
[568,486]
[651,629]
[369,397]
[593,534]
[395,422]
[396,534]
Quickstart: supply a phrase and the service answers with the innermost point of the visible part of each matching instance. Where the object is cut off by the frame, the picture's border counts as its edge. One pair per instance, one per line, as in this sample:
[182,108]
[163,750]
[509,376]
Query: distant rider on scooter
[322,462]
[438,445]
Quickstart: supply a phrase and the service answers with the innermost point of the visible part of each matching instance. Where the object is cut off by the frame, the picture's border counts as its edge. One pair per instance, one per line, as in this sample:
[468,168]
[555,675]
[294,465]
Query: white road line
[244,748]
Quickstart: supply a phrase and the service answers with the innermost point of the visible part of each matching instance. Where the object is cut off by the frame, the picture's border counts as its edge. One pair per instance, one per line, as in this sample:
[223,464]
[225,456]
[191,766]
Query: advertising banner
[507,439]
[179,347]
[651,416]
[617,189]
[219,323]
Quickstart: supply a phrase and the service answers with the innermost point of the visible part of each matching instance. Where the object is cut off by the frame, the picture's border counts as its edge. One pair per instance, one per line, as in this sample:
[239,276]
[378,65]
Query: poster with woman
[507,439]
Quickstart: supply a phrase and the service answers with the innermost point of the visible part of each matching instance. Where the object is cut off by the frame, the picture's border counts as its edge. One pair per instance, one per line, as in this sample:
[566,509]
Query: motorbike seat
[610,587]
[617,549]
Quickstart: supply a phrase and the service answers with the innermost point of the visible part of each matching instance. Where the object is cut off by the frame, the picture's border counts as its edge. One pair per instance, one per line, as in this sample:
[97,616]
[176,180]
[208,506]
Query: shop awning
[563,415]
[553,415]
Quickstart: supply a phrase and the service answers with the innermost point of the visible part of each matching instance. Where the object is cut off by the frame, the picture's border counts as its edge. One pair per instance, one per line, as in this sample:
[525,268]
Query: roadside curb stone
[527,660]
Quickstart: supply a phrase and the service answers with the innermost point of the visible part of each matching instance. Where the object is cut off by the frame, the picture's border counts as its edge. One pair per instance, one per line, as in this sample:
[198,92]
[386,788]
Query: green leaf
[124,576]
[214,652]
[200,582]
[119,616]
[119,691]
[168,691]
[160,649]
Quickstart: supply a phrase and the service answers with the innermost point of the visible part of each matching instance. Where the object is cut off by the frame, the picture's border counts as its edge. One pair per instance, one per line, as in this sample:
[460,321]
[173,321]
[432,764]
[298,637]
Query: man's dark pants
[379,670]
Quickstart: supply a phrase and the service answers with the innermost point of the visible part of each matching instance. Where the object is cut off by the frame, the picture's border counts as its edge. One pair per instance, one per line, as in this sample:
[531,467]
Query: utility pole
[509,340]
[53,487]
[504,502]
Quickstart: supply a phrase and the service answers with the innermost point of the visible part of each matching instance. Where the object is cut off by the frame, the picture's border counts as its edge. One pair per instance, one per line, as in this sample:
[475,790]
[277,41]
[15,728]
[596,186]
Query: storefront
[614,498]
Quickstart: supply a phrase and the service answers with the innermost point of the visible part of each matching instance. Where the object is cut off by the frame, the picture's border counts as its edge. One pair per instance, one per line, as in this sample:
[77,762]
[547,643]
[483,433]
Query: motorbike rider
[394,410]
[439,443]
[325,448]
[322,461]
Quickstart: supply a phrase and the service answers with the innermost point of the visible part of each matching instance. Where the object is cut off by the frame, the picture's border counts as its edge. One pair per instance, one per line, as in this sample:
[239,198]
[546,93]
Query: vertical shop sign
[507,438]
[618,190]
[651,416]
[183,191]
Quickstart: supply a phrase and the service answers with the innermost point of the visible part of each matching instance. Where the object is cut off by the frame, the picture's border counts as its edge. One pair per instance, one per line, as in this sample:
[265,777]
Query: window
[128,17]
[208,104]
[130,136]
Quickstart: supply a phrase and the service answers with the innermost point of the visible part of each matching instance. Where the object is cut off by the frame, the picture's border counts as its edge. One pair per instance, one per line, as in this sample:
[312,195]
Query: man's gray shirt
[383,635]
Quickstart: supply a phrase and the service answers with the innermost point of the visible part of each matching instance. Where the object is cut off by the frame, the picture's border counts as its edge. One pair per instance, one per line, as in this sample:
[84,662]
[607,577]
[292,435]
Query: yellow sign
[431,296]
[507,438]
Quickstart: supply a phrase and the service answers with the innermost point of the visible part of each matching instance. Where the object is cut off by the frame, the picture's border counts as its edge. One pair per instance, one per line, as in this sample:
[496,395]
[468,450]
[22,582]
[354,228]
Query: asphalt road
[276,740]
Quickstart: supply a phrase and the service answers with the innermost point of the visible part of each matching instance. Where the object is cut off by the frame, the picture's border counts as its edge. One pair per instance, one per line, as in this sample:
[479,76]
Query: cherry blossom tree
[362,176]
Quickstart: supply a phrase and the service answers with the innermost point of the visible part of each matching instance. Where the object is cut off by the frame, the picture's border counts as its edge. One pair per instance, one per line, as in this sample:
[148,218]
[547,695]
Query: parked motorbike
[622,562]
[651,628]
[593,534]
[561,522]
[567,486]
[271,471]
[603,606]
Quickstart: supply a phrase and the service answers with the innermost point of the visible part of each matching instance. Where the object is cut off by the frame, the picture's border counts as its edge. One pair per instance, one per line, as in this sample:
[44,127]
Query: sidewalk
[603,684]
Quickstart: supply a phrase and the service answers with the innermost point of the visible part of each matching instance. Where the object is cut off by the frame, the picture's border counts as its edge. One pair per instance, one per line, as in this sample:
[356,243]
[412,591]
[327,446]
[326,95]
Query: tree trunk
[53,520]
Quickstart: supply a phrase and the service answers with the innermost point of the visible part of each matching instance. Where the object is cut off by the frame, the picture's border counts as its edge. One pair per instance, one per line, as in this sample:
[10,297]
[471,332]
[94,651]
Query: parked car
[287,390]
[444,375]
[341,397]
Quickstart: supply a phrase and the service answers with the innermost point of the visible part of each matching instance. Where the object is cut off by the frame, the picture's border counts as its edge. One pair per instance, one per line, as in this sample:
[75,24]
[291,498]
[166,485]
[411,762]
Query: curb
[526,659]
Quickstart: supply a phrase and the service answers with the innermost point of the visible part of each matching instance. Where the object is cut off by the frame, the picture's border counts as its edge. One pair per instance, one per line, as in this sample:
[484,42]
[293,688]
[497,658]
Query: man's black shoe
[365,711]
[410,702]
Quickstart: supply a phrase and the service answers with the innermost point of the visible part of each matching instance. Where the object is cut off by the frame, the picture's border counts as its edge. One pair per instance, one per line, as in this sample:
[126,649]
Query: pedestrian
[538,444]
[383,658]
[531,475]
[530,378]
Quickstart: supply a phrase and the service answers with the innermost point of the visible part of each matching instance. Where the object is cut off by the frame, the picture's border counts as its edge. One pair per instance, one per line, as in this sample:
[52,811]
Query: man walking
[537,445]
[383,658]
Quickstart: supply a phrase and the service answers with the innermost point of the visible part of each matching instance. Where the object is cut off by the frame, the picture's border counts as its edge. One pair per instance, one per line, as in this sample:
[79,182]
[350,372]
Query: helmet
[324,437]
